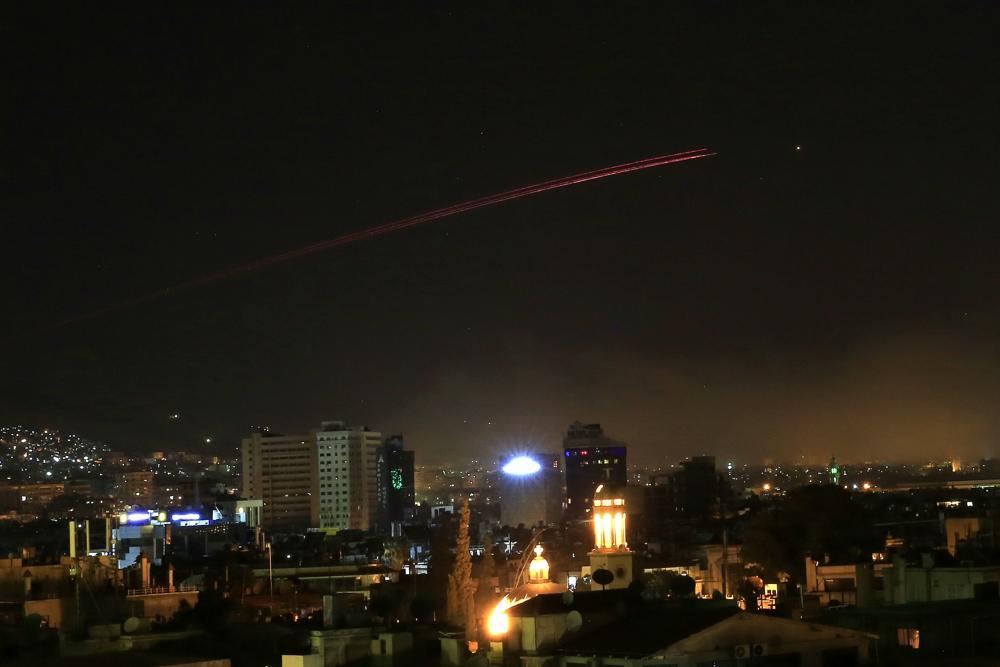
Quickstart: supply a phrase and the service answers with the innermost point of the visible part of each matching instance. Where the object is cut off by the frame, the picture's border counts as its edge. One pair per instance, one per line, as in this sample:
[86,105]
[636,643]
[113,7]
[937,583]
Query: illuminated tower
[611,550]
[394,473]
[834,471]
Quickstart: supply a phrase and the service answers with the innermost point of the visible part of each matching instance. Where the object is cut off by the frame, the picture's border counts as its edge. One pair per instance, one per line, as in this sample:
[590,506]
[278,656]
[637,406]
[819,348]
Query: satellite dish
[574,621]
[131,624]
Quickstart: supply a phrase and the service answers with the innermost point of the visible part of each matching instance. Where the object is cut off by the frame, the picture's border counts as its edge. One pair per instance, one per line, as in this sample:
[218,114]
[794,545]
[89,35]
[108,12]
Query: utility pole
[725,561]
[270,569]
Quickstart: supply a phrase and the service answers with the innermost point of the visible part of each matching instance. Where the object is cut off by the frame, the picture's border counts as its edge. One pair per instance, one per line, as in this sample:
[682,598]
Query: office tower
[531,490]
[281,470]
[591,459]
[695,488]
[347,471]
[325,478]
[395,486]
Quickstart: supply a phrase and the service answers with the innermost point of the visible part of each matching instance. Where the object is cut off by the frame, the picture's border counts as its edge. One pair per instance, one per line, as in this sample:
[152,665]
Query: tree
[461,587]
[681,586]
[814,521]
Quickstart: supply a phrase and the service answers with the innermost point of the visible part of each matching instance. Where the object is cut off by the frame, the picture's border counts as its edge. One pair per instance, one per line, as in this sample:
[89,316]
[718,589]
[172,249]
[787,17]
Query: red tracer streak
[396,225]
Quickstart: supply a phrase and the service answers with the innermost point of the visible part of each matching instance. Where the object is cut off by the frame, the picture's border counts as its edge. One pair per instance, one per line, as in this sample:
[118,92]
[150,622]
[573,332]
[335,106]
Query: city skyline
[823,285]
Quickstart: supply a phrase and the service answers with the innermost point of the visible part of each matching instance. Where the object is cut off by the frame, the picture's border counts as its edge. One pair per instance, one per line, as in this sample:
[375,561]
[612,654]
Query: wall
[341,647]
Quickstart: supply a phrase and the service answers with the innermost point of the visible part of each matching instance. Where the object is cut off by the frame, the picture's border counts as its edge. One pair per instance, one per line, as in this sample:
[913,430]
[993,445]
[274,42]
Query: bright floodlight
[522,465]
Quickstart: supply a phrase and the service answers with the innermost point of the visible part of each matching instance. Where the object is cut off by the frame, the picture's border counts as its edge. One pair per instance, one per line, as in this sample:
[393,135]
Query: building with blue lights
[591,459]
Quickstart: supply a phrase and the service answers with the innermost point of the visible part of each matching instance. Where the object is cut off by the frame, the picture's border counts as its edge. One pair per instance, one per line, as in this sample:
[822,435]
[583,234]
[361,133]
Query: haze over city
[510,334]
[824,284]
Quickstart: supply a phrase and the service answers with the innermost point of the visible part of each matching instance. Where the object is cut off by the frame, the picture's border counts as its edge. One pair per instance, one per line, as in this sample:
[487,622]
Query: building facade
[591,459]
[282,470]
[694,489]
[395,486]
[347,486]
[531,494]
[135,487]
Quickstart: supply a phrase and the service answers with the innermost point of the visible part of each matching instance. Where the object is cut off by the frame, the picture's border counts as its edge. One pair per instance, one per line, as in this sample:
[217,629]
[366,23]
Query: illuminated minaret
[611,550]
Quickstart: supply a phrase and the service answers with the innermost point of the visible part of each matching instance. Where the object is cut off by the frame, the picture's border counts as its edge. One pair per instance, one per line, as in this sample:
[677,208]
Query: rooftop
[639,634]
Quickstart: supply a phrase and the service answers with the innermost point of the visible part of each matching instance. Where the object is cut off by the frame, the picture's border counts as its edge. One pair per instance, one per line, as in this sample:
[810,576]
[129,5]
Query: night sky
[828,284]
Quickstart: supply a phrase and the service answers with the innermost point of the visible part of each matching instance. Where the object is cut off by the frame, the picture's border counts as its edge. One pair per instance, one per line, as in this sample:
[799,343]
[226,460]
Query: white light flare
[522,465]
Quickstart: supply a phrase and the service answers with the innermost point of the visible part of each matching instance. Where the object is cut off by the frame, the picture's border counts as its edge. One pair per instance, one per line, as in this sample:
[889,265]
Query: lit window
[908,637]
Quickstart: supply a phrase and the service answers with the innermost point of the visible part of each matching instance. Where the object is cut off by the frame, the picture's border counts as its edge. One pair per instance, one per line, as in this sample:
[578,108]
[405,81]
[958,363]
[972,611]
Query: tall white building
[347,484]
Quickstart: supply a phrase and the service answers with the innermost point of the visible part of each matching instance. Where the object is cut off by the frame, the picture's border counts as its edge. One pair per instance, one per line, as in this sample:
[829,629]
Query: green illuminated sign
[396,476]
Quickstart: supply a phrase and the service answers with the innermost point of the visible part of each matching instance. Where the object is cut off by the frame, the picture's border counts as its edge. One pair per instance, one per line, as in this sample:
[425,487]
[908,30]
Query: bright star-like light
[522,465]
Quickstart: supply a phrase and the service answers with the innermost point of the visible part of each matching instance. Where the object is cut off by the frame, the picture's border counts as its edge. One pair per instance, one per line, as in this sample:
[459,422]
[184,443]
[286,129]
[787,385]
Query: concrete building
[347,483]
[135,487]
[591,459]
[29,497]
[860,584]
[693,637]
[326,478]
[241,510]
[610,526]
[693,490]
[531,490]
[395,486]
[936,578]
[611,628]
[948,632]
[283,471]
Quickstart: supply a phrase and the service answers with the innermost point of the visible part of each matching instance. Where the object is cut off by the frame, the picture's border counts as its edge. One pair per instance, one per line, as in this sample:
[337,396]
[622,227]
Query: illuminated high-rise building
[347,484]
[835,471]
[281,470]
[590,459]
[395,486]
[531,490]
[325,478]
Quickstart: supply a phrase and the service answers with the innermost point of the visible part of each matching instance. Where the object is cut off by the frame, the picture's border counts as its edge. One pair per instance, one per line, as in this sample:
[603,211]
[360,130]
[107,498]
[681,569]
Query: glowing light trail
[389,227]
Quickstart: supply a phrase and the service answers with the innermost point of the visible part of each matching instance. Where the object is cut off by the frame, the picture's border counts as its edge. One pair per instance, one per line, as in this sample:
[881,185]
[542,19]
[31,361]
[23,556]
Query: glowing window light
[609,524]
[522,465]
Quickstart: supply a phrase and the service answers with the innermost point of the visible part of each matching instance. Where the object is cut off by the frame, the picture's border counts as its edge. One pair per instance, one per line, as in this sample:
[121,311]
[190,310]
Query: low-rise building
[619,628]
[936,577]
[860,584]
[948,631]
[692,638]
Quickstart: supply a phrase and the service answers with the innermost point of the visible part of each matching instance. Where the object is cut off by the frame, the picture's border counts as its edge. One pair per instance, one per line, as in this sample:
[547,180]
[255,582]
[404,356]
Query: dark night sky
[767,302]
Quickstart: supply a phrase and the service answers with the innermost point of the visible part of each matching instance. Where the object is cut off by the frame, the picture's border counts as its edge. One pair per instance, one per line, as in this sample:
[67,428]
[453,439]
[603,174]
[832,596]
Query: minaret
[611,550]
